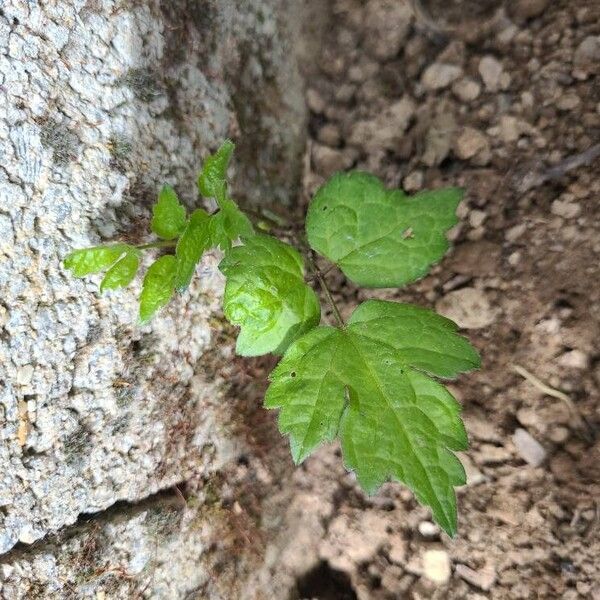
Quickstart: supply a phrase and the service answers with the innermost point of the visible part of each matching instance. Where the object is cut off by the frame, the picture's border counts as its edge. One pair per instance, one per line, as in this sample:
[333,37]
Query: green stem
[162,244]
[273,219]
[276,221]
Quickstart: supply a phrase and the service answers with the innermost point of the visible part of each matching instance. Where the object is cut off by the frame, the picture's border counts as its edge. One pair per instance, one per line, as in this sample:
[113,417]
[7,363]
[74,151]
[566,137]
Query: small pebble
[568,102]
[483,579]
[559,434]
[315,101]
[476,218]
[472,144]
[468,307]
[565,209]
[439,75]
[466,89]
[436,566]
[413,182]
[574,359]
[588,52]
[529,449]
[490,70]
[527,9]
[428,529]
[329,160]
[329,135]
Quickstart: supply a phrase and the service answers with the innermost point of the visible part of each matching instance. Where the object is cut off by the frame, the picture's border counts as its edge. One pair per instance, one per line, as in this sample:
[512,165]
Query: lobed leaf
[365,384]
[380,237]
[211,181]
[158,286]
[266,295]
[122,272]
[168,214]
[94,260]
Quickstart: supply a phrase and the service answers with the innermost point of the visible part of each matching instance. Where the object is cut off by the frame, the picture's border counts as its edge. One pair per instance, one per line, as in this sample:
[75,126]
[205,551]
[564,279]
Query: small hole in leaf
[293,374]
[325,208]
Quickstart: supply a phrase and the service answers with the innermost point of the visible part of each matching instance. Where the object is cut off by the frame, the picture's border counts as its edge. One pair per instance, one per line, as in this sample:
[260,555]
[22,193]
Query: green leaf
[94,260]
[380,237]
[194,240]
[122,272]
[211,181]
[228,225]
[168,214]
[158,287]
[365,384]
[266,295]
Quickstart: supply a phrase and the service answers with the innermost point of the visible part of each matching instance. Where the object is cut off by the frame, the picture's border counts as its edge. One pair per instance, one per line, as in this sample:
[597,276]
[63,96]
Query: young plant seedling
[368,382]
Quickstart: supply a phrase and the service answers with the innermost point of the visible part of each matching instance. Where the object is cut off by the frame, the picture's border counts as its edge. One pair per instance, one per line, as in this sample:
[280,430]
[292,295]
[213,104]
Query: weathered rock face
[102,102]
[158,546]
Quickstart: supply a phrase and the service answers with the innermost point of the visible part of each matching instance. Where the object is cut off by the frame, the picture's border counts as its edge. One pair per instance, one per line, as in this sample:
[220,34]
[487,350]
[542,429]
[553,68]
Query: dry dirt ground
[507,105]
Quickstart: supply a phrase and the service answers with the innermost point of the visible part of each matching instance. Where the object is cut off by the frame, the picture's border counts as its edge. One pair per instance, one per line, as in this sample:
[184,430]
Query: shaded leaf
[211,181]
[168,214]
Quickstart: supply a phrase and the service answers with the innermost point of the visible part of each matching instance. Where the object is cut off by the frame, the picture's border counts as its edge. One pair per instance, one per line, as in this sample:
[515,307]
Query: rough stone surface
[117,554]
[101,103]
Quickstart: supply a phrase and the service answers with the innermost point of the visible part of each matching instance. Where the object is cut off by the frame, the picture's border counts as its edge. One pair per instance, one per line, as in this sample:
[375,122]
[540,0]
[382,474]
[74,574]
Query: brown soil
[511,112]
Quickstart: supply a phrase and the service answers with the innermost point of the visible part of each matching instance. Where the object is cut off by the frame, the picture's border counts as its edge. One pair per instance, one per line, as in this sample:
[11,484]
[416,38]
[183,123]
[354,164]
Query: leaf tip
[299,452]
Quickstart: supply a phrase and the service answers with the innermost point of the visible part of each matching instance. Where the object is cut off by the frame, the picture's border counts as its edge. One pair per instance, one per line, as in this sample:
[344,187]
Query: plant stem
[273,219]
[162,244]
[326,291]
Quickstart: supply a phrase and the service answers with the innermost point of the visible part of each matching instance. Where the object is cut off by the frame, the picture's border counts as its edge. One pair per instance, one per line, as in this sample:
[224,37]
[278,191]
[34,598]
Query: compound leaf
[380,237]
[266,295]
[211,181]
[94,260]
[122,272]
[168,214]
[158,286]
[194,240]
[365,384]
